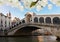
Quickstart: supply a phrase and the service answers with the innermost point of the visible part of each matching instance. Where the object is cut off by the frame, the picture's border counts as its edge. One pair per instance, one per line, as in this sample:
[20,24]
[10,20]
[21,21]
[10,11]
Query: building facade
[15,21]
[5,21]
[49,19]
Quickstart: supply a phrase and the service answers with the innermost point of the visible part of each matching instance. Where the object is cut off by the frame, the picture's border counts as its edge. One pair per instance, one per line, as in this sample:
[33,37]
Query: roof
[4,15]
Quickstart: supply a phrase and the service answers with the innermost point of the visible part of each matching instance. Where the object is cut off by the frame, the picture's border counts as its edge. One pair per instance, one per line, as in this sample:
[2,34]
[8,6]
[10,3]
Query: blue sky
[20,14]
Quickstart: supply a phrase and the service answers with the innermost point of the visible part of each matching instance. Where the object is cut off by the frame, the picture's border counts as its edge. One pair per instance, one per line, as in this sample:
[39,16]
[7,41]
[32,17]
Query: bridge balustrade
[23,24]
[15,25]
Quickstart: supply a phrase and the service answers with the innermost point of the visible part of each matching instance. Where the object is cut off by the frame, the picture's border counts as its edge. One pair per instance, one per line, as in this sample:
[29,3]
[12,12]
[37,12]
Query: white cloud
[56,2]
[12,3]
[27,3]
[53,1]
[21,8]
[49,6]
[38,8]
[34,0]
[45,0]
[2,2]
[12,17]
[41,4]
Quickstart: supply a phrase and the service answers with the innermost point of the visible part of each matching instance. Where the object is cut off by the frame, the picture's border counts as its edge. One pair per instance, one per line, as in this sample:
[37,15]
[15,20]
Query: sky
[16,12]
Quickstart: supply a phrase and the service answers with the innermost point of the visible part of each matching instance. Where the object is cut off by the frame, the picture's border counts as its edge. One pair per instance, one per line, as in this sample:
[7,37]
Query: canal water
[29,39]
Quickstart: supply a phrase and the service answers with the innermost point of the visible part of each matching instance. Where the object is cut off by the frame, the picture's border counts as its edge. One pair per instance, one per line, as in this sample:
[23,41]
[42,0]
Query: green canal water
[29,39]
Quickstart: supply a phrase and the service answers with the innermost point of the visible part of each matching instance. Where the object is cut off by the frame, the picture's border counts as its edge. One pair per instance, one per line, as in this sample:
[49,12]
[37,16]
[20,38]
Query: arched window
[56,20]
[23,21]
[41,20]
[48,20]
[35,19]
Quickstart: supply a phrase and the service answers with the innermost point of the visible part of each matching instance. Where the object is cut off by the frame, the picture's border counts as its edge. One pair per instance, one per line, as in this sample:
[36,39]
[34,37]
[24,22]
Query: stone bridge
[53,29]
[32,22]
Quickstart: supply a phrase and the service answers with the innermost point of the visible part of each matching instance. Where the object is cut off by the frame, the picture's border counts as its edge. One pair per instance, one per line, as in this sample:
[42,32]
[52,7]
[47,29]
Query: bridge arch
[36,19]
[56,20]
[27,30]
[48,20]
[41,20]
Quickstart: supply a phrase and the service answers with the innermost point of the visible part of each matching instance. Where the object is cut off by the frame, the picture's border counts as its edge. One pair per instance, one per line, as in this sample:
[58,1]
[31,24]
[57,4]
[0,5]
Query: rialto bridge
[32,22]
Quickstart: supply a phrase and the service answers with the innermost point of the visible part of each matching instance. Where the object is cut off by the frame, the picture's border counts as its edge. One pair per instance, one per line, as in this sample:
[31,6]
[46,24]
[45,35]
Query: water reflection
[29,39]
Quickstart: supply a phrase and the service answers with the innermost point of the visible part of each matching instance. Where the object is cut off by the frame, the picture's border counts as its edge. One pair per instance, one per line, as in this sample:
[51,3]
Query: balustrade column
[44,20]
[52,20]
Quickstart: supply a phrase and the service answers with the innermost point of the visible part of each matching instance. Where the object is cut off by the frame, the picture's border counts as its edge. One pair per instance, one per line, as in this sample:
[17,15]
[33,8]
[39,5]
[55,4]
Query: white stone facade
[29,17]
[5,21]
[15,21]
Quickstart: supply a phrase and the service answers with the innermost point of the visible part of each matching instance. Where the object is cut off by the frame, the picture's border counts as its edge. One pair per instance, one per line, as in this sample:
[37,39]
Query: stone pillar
[44,19]
[52,20]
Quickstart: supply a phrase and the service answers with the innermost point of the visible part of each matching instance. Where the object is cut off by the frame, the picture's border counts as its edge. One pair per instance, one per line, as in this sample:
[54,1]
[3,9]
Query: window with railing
[1,23]
[5,23]
[9,23]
